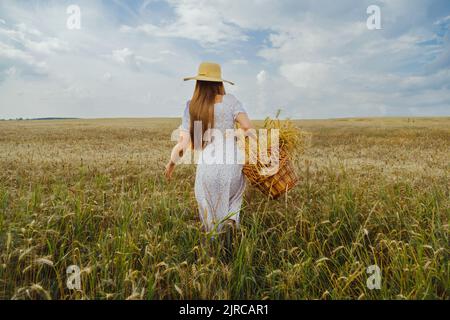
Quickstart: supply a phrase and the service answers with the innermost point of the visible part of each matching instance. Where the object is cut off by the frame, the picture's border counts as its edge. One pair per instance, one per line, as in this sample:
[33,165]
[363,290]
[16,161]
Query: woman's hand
[177,153]
[170,167]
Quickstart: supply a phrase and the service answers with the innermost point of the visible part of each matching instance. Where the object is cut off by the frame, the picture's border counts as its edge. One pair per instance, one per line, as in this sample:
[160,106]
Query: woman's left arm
[177,153]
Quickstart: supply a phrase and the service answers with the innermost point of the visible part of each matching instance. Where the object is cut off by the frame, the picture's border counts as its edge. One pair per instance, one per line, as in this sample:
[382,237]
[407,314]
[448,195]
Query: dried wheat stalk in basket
[292,141]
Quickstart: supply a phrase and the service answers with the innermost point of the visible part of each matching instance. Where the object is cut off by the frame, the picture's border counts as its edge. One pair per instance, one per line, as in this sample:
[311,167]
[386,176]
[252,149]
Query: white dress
[219,186]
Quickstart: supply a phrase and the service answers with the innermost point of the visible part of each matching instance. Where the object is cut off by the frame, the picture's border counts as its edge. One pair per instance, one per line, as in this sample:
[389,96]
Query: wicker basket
[275,185]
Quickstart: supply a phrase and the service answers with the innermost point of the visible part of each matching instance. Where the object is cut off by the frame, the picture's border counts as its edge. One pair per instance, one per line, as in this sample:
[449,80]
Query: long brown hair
[201,107]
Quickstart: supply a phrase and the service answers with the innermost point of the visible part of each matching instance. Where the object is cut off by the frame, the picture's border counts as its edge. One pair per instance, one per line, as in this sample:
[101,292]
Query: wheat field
[91,193]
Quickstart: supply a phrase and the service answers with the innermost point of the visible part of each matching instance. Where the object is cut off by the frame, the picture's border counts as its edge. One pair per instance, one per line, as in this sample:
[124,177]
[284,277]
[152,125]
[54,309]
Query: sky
[312,58]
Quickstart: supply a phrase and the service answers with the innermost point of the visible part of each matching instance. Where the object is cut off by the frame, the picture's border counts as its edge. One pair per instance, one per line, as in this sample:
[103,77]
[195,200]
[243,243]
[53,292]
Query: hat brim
[203,78]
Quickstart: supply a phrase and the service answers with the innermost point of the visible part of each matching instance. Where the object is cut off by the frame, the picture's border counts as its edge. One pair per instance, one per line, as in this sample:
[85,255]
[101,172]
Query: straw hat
[209,71]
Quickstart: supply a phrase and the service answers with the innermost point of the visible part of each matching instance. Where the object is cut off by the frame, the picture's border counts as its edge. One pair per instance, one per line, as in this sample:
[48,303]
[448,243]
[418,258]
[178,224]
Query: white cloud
[195,20]
[107,77]
[16,55]
[126,56]
[313,59]
[261,77]
[306,75]
[239,61]
[443,20]
[22,27]
[11,72]
[33,40]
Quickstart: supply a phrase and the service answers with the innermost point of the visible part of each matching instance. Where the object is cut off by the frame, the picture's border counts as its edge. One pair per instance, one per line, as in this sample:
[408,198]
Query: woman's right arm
[244,121]
[246,126]
[183,143]
[180,148]
[177,153]
[241,117]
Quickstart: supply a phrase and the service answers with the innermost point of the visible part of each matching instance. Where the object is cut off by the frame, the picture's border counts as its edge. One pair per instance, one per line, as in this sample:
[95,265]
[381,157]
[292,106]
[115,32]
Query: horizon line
[254,119]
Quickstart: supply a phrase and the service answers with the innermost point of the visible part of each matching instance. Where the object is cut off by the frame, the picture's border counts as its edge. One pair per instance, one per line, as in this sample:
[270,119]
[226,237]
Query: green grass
[136,236]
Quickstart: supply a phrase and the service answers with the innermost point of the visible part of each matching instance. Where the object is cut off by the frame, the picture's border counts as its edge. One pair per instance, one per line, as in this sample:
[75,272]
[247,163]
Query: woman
[219,185]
